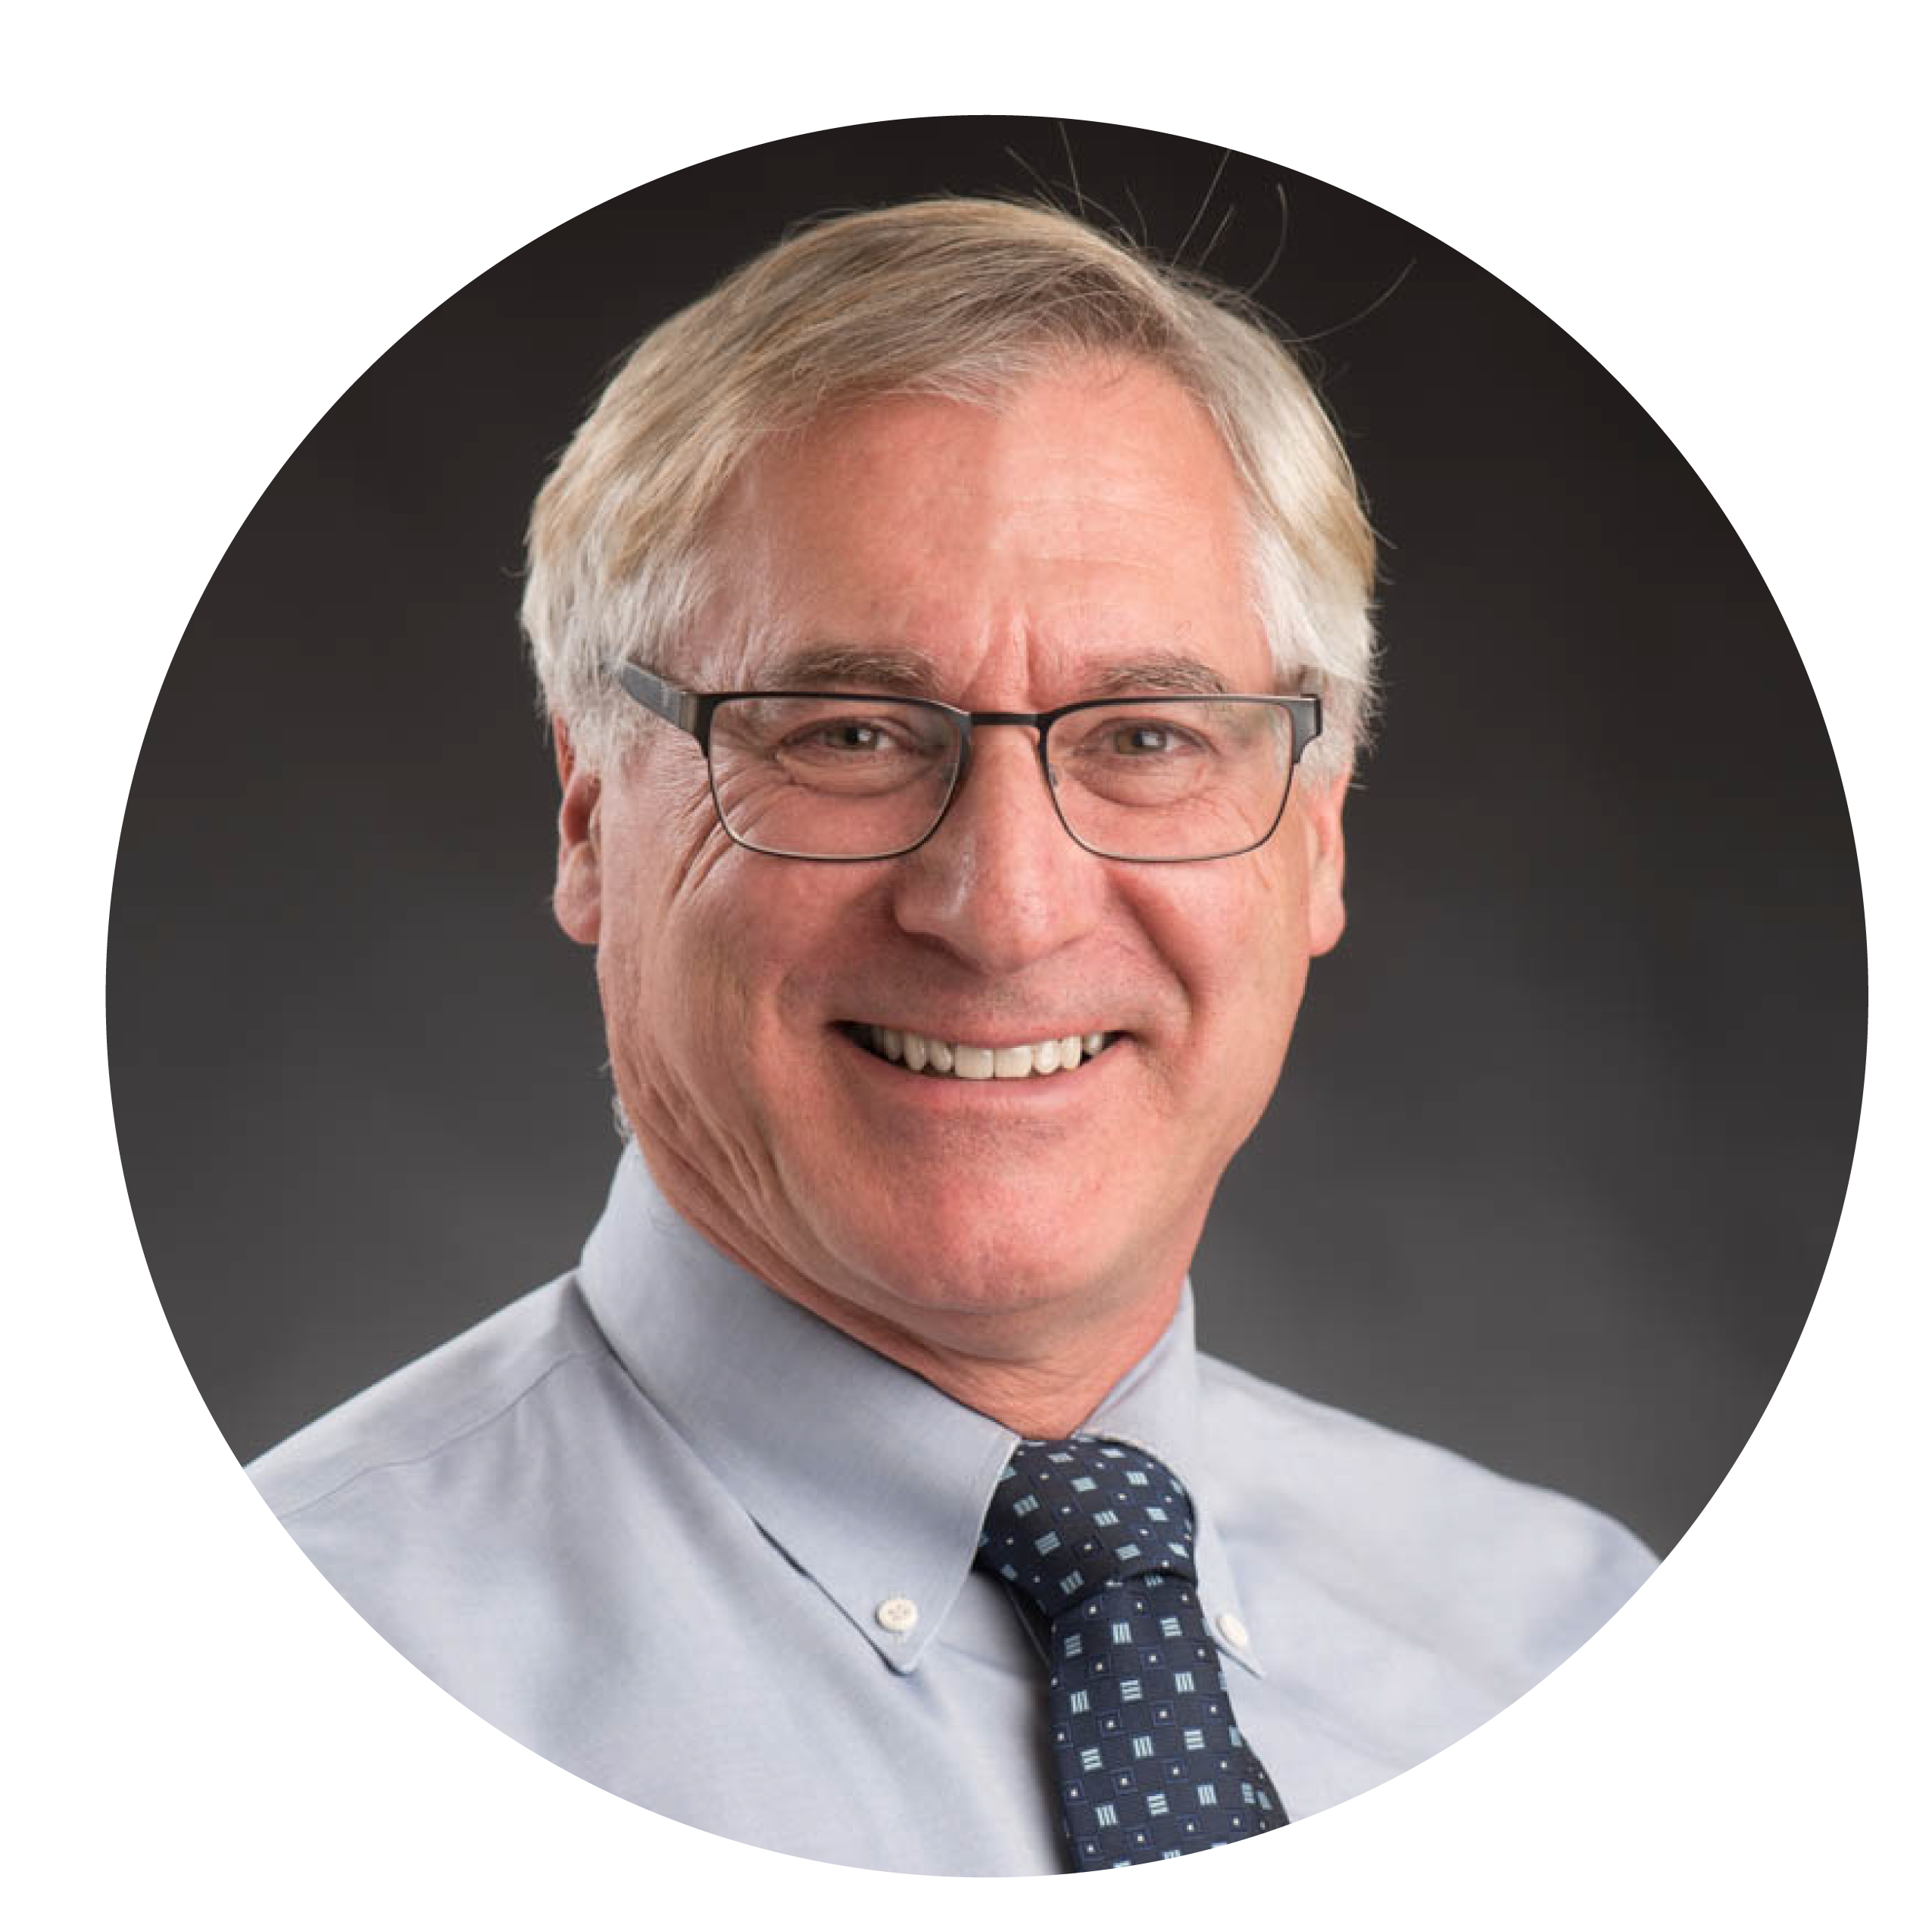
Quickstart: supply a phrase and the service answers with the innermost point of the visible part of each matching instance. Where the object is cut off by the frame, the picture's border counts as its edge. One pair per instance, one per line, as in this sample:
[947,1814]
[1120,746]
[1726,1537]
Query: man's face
[1008,559]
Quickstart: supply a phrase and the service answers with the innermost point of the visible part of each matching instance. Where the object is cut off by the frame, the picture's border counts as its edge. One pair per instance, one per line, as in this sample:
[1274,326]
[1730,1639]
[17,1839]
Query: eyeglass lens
[858,777]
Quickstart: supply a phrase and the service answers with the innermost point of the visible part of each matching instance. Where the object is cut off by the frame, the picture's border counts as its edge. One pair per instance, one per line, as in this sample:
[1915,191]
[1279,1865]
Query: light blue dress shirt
[692,1543]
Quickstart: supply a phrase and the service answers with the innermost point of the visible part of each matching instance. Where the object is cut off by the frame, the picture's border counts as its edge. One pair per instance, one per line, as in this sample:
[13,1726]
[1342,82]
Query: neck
[1040,1388]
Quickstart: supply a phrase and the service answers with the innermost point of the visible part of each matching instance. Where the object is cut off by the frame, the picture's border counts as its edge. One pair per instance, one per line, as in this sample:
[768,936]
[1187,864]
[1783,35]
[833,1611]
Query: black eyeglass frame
[692,711]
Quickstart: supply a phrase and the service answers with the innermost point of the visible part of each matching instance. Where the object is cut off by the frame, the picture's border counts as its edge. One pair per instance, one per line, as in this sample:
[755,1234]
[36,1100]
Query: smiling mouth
[918,1052]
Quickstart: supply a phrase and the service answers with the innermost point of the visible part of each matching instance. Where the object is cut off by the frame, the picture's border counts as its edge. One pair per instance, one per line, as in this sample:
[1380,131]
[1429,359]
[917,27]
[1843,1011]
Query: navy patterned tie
[1149,1760]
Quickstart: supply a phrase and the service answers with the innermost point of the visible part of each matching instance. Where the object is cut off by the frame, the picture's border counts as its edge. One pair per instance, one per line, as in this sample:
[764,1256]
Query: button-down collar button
[1232,1629]
[897,1613]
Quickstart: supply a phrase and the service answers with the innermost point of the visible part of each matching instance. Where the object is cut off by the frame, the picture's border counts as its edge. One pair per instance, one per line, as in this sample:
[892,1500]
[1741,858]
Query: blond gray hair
[951,297]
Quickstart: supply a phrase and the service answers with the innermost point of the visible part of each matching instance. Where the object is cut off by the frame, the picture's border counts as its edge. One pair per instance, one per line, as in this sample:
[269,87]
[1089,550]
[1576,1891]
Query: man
[955,633]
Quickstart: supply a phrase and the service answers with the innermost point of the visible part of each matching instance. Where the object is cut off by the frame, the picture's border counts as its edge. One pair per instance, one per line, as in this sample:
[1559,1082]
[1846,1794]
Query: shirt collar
[870,1479]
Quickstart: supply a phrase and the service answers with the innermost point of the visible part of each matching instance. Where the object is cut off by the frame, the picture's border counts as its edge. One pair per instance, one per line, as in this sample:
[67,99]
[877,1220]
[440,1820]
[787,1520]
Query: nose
[1000,884]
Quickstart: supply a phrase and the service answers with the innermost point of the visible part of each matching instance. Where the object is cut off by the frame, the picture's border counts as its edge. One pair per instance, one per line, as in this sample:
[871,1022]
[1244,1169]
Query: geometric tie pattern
[1148,1758]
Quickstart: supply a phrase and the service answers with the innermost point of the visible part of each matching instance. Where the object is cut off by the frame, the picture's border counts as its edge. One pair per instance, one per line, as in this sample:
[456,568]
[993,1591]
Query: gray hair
[950,298]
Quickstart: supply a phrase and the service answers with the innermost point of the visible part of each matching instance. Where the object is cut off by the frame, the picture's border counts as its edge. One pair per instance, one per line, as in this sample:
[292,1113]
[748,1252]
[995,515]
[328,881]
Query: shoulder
[1430,1537]
[444,1406]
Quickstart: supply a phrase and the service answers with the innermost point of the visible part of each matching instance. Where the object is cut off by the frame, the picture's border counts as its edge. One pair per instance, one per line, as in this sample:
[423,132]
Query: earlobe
[578,898]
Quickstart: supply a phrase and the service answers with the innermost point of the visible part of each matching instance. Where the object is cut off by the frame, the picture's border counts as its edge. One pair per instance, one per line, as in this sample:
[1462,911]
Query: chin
[1007,1212]
[985,1251]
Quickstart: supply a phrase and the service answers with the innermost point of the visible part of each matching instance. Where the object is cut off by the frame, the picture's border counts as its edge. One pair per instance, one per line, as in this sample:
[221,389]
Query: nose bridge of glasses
[1036,722]
[972,750]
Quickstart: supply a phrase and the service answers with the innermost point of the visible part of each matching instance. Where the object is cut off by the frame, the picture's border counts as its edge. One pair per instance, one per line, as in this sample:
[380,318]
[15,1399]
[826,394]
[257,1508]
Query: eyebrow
[904,672]
[911,673]
[1163,676]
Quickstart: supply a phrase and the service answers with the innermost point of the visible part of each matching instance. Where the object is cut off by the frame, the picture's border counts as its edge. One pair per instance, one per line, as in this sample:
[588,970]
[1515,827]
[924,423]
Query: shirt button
[1230,1625]
[897,1613]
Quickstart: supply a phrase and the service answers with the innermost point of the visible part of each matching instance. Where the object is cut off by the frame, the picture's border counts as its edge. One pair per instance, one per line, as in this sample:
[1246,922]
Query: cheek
[701,985]
[1279,968]
[1248,969]
[663,848]
[664,965]
[1236,940]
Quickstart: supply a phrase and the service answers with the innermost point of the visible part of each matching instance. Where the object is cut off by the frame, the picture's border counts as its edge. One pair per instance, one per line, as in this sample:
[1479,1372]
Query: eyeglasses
[844,776]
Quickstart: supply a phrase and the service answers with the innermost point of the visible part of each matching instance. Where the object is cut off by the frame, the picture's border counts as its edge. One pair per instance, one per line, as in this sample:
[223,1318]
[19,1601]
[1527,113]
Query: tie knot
[1070,1517]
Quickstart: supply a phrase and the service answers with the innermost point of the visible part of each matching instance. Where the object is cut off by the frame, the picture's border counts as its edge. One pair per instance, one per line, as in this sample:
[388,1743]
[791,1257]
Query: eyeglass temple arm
[674,707]
[1307,716]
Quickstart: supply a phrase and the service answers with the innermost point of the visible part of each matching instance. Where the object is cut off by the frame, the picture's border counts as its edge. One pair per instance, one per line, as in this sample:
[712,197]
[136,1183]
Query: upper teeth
[923,1054]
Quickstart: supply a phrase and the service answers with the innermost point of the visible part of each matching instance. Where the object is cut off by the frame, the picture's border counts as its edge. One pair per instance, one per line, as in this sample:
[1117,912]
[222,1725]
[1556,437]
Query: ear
[578,901]
[1320,815]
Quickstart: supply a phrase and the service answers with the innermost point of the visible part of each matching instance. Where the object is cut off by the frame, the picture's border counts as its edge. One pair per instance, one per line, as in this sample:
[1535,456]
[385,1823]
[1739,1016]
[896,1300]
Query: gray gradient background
[1561,1149]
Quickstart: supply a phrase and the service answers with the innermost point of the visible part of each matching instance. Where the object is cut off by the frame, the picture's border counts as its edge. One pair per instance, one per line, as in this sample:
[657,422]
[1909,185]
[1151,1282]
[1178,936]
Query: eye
[849,739]
[850,733]
[1141,739]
